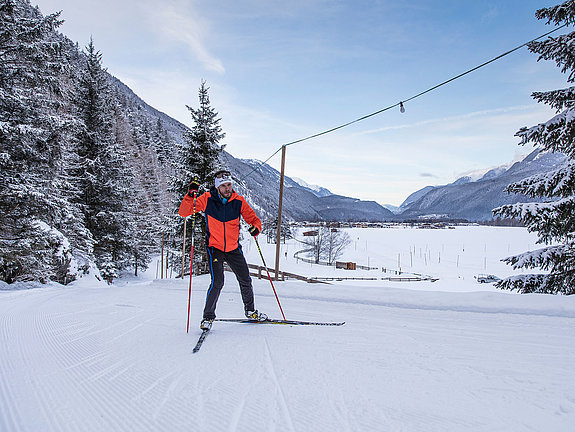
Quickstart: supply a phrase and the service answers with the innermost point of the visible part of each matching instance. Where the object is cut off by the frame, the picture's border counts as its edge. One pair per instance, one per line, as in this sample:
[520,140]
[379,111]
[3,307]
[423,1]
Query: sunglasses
[223,174]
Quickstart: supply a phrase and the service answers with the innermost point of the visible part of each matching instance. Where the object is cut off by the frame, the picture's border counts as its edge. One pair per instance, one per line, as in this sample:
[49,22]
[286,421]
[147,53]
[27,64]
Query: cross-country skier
[222,208]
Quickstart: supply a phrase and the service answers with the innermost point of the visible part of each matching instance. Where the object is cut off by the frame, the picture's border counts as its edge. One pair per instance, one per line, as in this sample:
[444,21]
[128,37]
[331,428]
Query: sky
[282,71]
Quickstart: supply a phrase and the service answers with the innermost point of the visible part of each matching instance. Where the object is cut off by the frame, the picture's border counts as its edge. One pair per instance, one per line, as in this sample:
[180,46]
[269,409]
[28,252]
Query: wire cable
[400,104]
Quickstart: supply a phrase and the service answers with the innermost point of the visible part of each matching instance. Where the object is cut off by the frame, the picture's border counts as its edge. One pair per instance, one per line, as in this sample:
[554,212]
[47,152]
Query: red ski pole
[191,263]
[269,277]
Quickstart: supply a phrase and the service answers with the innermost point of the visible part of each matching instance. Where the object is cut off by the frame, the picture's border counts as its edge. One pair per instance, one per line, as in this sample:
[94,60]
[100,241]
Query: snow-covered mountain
[315,189]
[260,185]
[414,197]
[475,200]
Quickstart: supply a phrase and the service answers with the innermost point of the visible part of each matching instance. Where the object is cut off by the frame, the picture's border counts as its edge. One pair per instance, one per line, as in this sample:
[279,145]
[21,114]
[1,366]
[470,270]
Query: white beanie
[222,180]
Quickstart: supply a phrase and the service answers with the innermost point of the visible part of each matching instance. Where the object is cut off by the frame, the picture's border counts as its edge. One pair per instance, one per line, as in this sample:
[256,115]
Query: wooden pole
[162,259]
[184,247]
[279,234]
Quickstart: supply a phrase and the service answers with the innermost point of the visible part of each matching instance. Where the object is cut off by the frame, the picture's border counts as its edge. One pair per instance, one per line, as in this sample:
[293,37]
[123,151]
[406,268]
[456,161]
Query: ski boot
[255,315]
[206,324]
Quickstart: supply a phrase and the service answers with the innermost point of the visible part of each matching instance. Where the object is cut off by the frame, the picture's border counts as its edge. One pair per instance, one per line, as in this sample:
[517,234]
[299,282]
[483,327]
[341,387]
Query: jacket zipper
[224,221]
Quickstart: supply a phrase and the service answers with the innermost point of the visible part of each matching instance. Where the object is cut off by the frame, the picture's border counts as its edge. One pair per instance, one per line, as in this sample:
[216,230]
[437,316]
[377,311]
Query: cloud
[455,121]
[491,14]
[178,21]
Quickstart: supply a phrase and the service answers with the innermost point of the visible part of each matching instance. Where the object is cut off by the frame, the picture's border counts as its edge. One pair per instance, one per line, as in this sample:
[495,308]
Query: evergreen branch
[557,99]
[557,183]
[525,284]
[545,258]
[559,49]
[554,221]
[557,134]
[557,14]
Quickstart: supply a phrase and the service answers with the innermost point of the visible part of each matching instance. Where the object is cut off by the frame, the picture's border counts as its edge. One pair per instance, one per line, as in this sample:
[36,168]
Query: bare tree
[335,243]
[327,243]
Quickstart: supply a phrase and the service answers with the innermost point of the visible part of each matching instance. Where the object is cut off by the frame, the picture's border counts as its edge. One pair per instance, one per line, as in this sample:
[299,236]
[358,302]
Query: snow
[305,184]
[63,244]
[455,256]
[452,355]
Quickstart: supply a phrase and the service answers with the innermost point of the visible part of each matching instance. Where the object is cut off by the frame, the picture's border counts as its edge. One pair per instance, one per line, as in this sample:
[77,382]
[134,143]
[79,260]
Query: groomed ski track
[98,358]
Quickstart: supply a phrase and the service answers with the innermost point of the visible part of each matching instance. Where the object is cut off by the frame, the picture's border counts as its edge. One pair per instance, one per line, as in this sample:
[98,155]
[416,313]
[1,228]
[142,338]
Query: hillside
[260,184]
[474,200]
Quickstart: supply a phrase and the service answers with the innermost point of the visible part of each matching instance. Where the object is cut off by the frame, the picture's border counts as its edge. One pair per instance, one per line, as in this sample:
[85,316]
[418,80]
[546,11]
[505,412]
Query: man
[222,208]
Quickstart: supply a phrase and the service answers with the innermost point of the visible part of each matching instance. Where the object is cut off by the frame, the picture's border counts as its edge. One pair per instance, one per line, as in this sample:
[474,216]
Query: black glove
[253,230]
[194,187]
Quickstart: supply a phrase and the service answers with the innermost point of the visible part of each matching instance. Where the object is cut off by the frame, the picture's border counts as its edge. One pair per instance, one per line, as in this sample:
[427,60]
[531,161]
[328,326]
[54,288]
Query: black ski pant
[237,263]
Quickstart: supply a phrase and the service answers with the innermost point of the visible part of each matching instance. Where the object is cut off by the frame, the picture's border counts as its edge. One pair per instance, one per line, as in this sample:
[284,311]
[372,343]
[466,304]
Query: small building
[310,233]
[345,265]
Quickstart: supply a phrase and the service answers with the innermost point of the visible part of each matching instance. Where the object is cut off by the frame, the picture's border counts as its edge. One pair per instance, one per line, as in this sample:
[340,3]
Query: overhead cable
[401,103]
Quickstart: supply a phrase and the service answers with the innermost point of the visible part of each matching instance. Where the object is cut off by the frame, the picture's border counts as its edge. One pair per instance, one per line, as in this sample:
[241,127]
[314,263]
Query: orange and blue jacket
[222,218]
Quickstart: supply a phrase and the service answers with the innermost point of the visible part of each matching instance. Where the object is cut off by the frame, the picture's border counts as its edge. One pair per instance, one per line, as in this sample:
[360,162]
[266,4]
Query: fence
[400,275]
[282,276]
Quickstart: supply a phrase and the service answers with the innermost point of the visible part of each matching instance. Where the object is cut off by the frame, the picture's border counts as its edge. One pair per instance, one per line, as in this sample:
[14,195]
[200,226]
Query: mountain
[414,197]
[392,208]
[475,200]
[260,185]
[315,189]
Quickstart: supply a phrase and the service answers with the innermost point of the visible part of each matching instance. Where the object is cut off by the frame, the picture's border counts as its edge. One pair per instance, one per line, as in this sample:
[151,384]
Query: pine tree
[270,230]
[198,158]
[104,179]
[34,126]
[554,218]
[161,142]
[148,193]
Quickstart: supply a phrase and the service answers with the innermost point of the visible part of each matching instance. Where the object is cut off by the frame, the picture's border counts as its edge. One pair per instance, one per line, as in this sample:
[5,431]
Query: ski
[284,322]
[201,340]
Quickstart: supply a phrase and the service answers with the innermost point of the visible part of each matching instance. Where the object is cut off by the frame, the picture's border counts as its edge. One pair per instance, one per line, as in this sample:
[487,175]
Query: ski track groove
[166,398]
[9,417]
[43,326]
[342,411]
[81,356]
[63,350]
[238,411]
[104,329]
[24,373]
[240,408]
[271,369]
[126,380]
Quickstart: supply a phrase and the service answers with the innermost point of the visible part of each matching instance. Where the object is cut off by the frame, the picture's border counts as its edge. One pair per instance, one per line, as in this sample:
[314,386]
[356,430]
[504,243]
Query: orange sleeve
[187,205]
[249,215]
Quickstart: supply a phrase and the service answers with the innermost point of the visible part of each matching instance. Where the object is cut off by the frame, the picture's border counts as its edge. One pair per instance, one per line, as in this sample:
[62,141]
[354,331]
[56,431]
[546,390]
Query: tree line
[89,181]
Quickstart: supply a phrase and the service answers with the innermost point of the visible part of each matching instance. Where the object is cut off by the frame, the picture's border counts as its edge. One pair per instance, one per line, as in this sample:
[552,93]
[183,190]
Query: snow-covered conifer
[104,180]
[270,230]
[38,222]
[554,217]
[198,156]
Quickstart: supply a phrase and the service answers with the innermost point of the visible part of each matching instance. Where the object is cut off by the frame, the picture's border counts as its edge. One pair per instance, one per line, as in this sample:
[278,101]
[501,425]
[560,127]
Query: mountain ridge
[475,200]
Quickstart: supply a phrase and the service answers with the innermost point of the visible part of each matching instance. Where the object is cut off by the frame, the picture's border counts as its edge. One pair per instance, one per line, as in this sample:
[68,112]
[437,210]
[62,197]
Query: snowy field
[451,355]
[454,256]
